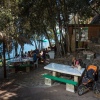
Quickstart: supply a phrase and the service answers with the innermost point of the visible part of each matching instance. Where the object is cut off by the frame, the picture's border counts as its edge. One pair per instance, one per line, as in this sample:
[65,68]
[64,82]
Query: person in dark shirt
[44,56]
[37,51]
[34,56]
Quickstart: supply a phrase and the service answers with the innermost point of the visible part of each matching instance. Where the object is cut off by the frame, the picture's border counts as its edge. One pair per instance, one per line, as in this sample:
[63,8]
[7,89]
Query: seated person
[17,55]
[44,55]
[76,63]
[37,51]
[29,54]
[40,56]
[34,56]
[26,54]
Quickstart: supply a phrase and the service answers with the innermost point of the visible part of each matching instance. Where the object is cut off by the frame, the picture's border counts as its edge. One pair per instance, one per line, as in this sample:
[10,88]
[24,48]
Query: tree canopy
[37,18]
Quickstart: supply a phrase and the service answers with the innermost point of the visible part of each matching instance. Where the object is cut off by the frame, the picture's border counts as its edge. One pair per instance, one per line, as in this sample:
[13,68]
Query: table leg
[70,87]
[48,81]
[27,69]
[76,78]
[54,73]
[13,70]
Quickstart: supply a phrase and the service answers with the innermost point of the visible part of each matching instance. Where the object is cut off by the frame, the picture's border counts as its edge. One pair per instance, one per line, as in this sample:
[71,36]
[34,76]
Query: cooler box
[51,54]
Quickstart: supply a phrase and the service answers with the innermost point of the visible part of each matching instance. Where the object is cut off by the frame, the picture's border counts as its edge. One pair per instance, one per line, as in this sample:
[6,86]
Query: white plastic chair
[36,63]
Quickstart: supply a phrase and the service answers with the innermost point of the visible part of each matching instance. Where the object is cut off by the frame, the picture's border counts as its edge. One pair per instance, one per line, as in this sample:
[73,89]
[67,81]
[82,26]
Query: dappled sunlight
[9,93]
[53,91]
[7,83]
[5,95]
[15,89]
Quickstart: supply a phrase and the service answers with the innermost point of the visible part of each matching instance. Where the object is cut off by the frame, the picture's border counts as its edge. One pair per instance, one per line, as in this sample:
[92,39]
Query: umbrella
[42,40]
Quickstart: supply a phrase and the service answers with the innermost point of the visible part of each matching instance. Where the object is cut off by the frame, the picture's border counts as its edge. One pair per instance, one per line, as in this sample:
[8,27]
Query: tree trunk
[35,44]
[65,17]
[58,52]
[4,59]
[16,47]
[47,37]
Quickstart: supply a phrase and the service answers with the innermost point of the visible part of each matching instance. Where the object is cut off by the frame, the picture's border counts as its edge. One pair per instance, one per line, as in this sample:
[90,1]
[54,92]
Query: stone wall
[94,47]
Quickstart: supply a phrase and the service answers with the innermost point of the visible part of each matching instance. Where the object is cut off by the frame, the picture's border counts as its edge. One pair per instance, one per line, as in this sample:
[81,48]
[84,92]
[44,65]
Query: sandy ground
[30,86]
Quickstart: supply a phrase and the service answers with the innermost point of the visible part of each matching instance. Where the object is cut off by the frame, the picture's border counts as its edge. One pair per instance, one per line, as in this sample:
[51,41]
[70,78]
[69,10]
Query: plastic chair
[36,63]
[7,65]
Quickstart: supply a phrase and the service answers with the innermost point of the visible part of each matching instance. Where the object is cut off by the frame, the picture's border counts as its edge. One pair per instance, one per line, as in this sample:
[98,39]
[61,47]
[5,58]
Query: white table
[66,69]
[18,61]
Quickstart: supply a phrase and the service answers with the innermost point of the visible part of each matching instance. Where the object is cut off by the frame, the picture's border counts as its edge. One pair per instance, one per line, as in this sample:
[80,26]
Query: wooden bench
[70,84]
[27,66]
[11,68]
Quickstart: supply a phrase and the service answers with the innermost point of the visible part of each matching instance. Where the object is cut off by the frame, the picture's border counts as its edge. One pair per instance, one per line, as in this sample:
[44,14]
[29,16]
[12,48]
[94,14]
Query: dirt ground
[30,86]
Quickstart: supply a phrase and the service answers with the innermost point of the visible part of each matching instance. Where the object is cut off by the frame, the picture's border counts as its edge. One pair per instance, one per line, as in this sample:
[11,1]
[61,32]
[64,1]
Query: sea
[28,47]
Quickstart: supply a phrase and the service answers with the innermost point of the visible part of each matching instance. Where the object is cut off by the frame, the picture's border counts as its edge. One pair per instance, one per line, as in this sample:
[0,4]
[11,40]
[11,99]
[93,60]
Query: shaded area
[30,86]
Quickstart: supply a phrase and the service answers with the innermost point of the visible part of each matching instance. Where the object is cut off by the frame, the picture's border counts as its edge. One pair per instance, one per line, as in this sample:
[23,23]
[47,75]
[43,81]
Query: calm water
[28,47]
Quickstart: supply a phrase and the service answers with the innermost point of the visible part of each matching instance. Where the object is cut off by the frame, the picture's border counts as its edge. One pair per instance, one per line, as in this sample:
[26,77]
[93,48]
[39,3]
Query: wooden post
[4,63]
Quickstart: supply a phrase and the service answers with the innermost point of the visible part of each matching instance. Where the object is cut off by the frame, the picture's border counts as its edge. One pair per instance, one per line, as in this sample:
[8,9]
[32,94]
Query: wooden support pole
[4,62]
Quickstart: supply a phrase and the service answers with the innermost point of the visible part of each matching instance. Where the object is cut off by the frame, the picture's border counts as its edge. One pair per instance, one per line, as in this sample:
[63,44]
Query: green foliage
[34,17]
[5,17]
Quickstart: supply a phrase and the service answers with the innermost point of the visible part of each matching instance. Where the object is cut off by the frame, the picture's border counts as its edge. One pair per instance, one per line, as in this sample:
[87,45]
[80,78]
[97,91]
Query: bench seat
[60,79]
[26,66]
[11,66]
